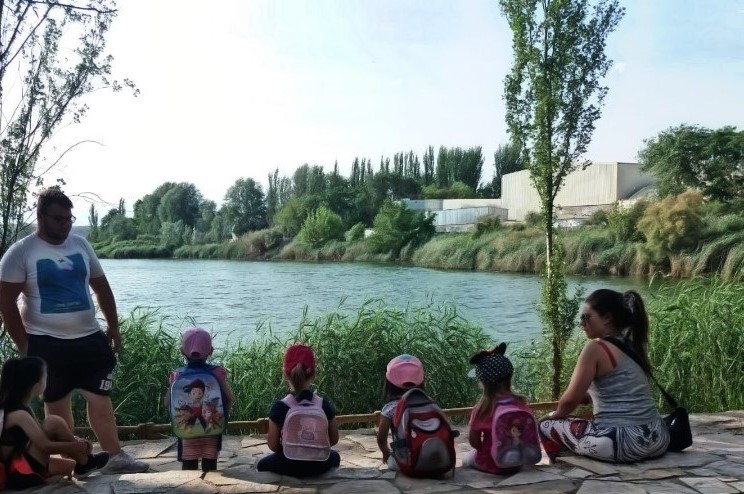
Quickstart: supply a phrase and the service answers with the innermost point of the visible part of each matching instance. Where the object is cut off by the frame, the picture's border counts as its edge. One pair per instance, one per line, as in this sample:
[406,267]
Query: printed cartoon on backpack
[197,404]
[516,441]
[423,440]
[502,430]
[305,430]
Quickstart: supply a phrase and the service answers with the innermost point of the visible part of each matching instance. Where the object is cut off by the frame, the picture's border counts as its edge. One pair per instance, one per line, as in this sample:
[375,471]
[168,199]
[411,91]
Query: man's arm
[9,293]
[107,303]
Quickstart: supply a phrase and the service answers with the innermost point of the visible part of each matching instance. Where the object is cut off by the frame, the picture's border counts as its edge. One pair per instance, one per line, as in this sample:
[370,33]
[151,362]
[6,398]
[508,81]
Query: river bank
[590,250]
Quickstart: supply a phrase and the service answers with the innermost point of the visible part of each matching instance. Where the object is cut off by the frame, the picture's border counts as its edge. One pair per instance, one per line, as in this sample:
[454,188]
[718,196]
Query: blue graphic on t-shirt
[62,284]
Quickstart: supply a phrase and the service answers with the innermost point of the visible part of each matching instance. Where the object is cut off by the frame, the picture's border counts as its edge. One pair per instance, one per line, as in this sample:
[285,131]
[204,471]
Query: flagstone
[529,476]
[667,488]
[728,468]
[595,486]
[738,485]
[598,467]
[707,485]
[362,487]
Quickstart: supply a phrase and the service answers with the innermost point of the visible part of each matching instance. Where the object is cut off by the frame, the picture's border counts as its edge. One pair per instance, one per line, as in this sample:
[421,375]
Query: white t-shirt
[56,299]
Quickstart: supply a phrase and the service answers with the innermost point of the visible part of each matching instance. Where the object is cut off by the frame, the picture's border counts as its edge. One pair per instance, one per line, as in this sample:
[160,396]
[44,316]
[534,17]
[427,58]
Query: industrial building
[599,186]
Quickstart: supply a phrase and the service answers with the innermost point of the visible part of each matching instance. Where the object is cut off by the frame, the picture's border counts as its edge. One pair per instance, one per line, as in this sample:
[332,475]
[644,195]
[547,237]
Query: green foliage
[696,343]
[180,204]
[623,222]
[694,157]
[506,159]
[355,233]
[598,218]
[534,219]
[352,352]
[486,224]
[174,235]
[52,57]
[553,97]
[672,224]
[397,226]
[558,312]
[321,226]
[245,207]
[290,217]
[457,190]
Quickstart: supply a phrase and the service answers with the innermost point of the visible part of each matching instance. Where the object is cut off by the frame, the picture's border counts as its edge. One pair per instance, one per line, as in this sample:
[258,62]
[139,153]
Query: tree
[396,226]
[146,210]
[244,206]
[506,159]
[180,203]
[93,222]
[53,54]
[694,157]
[553,97]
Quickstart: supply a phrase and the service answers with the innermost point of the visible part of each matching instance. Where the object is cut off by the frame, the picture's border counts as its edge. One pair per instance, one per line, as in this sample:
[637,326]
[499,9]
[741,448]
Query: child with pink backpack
[302,425]
[503,429]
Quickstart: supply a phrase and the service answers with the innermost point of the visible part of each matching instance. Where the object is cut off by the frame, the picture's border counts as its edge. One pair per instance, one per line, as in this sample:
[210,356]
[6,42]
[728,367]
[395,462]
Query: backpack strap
[290,400]
[506,401]
[622,345]
[608,352]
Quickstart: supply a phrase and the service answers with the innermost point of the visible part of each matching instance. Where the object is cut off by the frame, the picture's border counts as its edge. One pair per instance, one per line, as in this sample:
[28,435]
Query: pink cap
[405,371]
[196,344]
[299,354]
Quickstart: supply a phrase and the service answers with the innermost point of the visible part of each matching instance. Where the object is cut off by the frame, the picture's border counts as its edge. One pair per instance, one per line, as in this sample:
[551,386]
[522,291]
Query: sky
[239,88]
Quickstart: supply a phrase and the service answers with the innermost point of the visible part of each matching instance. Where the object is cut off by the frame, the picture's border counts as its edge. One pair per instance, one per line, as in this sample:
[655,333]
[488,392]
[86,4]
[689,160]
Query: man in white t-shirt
[52,271]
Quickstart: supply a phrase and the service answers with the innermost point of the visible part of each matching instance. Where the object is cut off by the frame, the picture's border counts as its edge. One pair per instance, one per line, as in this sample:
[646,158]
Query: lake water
[237,296]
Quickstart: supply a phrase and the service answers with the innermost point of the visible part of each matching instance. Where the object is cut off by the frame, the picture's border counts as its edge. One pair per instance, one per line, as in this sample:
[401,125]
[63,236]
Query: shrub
[623,222]
[396,226]
[486,224]
[355,233]
[321,226]
[672,224]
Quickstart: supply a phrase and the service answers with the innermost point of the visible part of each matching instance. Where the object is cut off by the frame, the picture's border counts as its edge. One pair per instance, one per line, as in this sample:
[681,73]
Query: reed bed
[352,351]
[696,346]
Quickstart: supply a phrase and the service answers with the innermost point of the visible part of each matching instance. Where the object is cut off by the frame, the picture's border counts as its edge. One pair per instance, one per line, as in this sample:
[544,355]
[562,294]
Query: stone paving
[713,465]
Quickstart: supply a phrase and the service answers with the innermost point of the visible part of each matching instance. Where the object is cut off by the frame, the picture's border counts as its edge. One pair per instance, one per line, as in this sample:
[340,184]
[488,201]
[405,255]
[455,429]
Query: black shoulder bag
[678,422]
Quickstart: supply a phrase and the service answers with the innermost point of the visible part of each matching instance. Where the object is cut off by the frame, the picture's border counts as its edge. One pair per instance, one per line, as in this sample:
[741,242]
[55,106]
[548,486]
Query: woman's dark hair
[19,376]
[629,318]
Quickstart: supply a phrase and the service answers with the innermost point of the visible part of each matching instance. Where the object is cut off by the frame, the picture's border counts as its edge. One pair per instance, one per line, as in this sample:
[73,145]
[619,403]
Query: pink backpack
[305,430]
[514,435]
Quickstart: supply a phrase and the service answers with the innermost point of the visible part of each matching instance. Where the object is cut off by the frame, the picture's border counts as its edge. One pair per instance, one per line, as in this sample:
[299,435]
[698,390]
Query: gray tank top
[622,397]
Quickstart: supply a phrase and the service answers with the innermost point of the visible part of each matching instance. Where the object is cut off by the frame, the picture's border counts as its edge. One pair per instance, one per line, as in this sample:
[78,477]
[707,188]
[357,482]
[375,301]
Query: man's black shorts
[81,363]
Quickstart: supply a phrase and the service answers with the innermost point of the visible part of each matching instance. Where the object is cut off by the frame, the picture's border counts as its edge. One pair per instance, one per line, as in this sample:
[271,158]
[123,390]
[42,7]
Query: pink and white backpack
[514,435]
[305,430]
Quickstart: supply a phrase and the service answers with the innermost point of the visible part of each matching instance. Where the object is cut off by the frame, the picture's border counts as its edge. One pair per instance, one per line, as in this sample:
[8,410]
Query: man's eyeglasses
[62,220]
[585,317]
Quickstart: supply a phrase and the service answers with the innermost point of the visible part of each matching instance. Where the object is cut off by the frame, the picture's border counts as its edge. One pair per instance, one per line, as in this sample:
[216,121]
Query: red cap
[299,354]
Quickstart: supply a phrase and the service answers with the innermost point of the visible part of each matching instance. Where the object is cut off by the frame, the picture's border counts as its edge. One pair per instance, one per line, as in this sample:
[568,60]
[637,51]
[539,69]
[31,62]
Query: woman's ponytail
[638,324]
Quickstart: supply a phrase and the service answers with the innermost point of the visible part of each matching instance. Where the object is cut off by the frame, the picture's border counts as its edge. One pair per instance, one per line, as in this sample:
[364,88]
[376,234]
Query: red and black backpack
[423,440]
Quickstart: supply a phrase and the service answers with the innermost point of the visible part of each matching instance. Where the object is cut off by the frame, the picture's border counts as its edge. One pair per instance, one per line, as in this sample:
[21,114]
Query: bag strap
[630,353]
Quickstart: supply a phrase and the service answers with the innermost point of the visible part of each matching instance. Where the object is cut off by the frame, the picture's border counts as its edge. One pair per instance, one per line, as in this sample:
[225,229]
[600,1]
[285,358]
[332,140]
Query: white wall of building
[600,184]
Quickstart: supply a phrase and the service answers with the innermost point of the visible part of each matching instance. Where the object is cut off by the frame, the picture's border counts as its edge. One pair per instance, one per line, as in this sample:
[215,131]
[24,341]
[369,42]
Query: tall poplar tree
[553,97]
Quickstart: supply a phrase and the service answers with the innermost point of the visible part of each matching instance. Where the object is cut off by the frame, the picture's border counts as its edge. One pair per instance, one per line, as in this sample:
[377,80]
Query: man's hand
[114,338]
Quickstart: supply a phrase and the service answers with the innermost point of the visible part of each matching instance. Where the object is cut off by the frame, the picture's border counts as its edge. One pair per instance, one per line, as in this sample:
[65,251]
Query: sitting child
[403,373]
[302,426]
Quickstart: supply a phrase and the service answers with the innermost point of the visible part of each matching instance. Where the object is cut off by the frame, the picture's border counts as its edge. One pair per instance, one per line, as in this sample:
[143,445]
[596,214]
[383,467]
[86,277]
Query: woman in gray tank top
[626,426]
